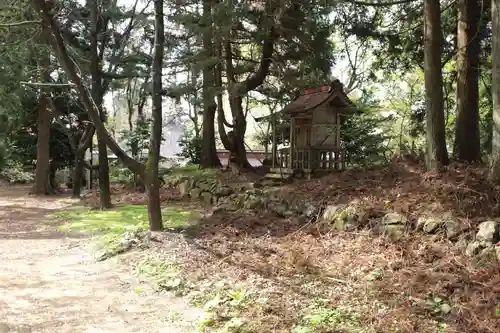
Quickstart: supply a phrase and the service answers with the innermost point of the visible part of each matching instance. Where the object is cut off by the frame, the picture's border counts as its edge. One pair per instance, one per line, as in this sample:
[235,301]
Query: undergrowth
[191,170]
[224,306]
[165,276]
[321,317]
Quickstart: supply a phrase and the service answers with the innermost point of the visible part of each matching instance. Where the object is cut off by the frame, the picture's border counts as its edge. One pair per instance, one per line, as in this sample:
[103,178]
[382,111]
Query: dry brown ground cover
[423,283]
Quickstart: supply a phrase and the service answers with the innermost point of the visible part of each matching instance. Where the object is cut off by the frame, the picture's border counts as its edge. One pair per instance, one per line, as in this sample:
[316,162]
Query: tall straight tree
[152,182]
[42,173]
[437,154]
[97,96]
[209,157]
[494,173]
[51,26]
[467,143]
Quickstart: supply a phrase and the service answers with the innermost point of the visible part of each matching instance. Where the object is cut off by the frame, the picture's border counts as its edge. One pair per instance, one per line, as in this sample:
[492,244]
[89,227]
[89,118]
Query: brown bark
[97,96]
[209,158]
[467,145]
[437,155]
[77,177]
[151,180]
[221,117]
[494,172]
[237,90]
[42,173]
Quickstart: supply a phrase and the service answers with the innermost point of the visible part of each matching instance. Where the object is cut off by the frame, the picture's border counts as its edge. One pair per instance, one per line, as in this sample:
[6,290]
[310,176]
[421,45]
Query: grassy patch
[165,276]
[110,225]
[321,317]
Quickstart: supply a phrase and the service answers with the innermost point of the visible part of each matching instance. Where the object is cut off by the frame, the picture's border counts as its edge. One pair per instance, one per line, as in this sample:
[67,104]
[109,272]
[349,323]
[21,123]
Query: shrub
[14,173]
[120,174]
[191,146]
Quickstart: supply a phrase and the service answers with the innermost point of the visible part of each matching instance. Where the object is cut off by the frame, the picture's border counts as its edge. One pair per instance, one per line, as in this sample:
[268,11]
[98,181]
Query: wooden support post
[337,139]
[309,159]
[292,143]
[275,144]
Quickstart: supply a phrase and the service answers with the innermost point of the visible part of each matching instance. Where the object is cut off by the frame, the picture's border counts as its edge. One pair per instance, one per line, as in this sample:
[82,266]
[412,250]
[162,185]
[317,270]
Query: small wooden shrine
[310,131]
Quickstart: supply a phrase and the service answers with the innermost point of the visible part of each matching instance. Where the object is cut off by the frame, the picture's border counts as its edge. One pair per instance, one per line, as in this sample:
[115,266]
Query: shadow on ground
[23,216]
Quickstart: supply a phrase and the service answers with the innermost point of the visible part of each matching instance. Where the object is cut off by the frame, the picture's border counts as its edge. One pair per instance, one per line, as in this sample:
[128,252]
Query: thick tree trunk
[104,184]
[42,173]
[220,125]
[209,158]
[237,90]
[97,96]
[467,141]
[494,172]
[437,154]
[152,182]
[238,153]
[221,117]
[77,177]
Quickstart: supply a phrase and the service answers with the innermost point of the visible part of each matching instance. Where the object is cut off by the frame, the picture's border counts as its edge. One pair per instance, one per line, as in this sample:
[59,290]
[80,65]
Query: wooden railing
[327,159]
[283,157]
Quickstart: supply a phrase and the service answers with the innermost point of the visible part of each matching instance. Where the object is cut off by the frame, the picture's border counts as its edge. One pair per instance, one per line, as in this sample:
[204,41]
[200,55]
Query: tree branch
[61,52]
[18,24]
[46,84]
[379,4]
[257,78]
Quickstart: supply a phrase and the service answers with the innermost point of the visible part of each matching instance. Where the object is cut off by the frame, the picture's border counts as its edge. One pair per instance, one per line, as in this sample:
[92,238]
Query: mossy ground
[109,225]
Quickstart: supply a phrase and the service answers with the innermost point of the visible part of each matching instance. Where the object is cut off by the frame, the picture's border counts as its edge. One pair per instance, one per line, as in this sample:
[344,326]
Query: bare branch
[380,4]
[45,84]
[18,24]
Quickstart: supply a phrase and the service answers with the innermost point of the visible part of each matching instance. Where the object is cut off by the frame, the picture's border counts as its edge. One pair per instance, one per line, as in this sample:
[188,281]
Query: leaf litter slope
[422,284]
[48,282]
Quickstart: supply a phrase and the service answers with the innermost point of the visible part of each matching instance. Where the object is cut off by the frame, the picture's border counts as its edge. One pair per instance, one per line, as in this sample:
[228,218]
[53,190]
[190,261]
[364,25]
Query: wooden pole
[274,147]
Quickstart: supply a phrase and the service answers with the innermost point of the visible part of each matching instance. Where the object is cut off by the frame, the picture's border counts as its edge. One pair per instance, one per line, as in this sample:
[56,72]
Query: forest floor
[250,272]
[50,283]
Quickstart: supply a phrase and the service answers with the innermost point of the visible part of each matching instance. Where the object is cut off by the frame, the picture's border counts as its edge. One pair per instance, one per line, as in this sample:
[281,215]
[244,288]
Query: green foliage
[191,146]
[13,172]
[4,154]
[365,139]
[138,139]
[120,174]
[320,317]
[223,309]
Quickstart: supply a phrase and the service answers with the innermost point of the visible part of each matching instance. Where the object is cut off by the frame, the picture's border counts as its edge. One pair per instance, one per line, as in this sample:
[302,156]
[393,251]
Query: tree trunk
[221,117]
[77,176]
[238,153]
[437,155]
[209,158]
[104,184]
[151,180]
[467,145]
[237,90]
[97,96]
[494,172]
[42,172]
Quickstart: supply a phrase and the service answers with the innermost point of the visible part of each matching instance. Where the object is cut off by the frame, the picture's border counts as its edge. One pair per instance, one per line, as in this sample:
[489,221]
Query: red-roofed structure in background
[310,125]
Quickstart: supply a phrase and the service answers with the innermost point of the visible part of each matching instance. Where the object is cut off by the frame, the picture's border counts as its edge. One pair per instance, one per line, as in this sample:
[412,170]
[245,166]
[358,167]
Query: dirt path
[49,282]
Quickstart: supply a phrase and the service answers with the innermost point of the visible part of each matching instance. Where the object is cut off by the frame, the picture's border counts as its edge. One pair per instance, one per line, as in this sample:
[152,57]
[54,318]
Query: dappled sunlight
[121,219]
